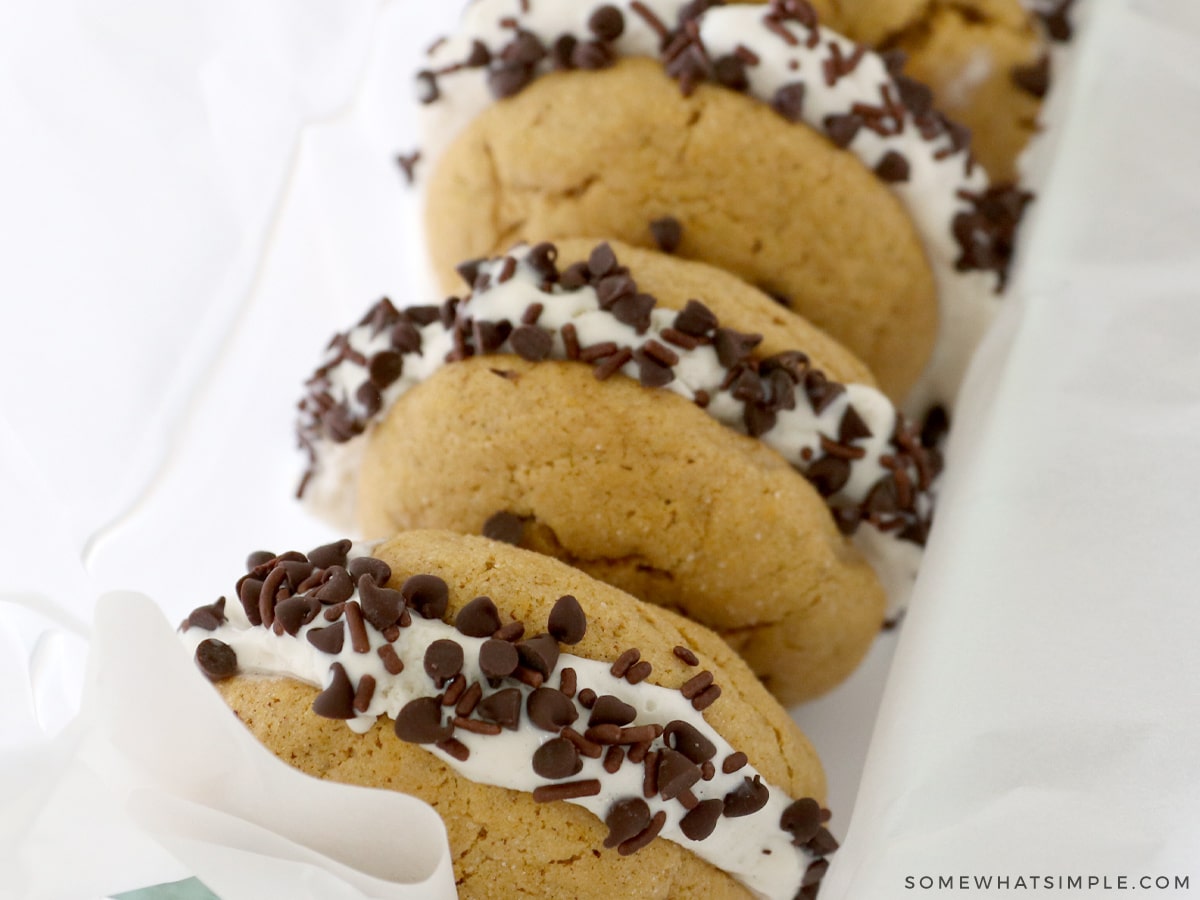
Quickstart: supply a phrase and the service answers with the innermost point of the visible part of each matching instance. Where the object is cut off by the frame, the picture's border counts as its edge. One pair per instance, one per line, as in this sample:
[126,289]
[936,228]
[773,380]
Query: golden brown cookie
[673,754]
[985,61]
[704,468]
[789,155]
[754,194]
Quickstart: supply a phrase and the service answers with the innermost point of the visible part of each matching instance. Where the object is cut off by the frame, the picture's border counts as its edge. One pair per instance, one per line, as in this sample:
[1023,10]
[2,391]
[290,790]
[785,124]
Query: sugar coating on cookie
[861,455]
[781,55]
[501,704]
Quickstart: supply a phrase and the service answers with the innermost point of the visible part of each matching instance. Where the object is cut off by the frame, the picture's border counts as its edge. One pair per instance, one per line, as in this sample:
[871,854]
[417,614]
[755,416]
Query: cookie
[985,61]
[575,741]
[790,155]
[703,468]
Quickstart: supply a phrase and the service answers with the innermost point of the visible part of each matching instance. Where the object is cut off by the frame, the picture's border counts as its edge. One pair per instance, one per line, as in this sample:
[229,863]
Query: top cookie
[790,155]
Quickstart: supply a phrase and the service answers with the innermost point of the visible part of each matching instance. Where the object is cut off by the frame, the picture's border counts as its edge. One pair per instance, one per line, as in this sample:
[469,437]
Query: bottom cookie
[601,747]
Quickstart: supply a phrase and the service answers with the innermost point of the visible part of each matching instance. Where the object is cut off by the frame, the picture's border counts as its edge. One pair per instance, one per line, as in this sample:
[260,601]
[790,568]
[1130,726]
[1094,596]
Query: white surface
[195,197]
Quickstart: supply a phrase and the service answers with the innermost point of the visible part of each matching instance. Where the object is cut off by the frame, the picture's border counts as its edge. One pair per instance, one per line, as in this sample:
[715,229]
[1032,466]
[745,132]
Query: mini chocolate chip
[216,659]
[502,707]
[427,594]
[687,739]
[612,288]
[667,233]
[733,347]
[338,588]
[626,819]
[506,527]
[296,612]
[479,56]
[828,474]
[489,336]
[539,653]
[509,79]
[512,632]
[557,758]
[531,343]
[914,95]
[606,23]
[369,565]
[427,87]
[802,820]
[550,709]
[634,310]
[329,639]
[337,700]
[601,261]
[610,710]
[591,56]
[747,798]
[893,167]
[695,319]
[561,51]
[469,271]
[380,606]
[384,368]
[701,819]
[258,558]
[575,276]
[498,659]
[852,427]
[525,48]
[676,773]
[330,554]
[729,71]
[789,101]
[843,128]
[420,721]
[823,843]
[369,397]
[815,872]
[1034,79]
[443,660]
[567,622]
[651,372]
[207,618]
[478,618]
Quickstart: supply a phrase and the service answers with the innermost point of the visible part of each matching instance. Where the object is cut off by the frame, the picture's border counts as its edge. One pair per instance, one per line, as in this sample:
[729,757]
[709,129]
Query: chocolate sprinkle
[568,790]
[634,844]
[686,656]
